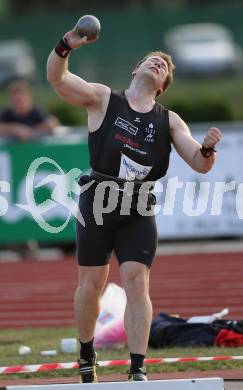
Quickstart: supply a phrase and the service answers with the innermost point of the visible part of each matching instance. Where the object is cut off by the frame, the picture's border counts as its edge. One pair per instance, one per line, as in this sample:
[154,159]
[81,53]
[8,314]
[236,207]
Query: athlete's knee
[90,286]
[92,289]
[136,286]
[92,280]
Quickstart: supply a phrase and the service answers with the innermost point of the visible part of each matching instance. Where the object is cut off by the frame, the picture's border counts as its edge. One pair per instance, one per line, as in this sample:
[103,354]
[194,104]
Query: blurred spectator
[22,120]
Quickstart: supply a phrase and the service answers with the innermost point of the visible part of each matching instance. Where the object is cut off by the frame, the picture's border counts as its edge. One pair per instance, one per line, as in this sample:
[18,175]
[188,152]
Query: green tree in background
[4,8]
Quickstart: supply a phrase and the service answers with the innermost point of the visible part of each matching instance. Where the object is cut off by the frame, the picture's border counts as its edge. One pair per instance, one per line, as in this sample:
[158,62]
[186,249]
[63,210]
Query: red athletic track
[34,293]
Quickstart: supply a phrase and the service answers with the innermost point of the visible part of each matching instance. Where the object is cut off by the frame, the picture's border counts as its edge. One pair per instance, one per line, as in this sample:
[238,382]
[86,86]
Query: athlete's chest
[138,133]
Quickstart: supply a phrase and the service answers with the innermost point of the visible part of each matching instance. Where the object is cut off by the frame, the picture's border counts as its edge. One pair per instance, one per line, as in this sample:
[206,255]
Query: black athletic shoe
[138,375]
[87,370]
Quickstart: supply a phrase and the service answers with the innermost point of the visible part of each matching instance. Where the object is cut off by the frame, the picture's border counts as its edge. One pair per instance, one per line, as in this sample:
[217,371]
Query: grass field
[49,338]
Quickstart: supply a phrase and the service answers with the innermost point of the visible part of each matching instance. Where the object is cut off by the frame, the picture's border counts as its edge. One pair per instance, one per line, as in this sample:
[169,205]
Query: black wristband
[62,48]
[207,152]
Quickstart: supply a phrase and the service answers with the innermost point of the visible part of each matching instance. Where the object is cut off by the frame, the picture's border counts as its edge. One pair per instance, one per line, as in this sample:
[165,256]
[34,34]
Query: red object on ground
[229,338]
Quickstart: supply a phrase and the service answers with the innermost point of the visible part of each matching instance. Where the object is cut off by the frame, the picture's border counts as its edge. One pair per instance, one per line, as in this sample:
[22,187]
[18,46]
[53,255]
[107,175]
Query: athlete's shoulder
[160,109]
[118,94]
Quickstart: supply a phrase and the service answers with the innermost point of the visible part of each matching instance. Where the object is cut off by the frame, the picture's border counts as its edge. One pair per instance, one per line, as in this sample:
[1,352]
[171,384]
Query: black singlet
[130,144]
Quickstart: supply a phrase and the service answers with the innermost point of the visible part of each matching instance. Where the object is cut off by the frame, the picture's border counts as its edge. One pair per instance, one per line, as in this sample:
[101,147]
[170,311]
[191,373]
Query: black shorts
[132,237]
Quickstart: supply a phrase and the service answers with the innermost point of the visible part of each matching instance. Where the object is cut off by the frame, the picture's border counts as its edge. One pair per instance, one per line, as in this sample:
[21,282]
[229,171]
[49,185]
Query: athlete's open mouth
[155,69]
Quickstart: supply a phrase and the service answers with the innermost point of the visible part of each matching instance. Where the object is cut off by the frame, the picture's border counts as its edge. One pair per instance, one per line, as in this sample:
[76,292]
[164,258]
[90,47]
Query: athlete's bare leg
[87,296]
[138,314]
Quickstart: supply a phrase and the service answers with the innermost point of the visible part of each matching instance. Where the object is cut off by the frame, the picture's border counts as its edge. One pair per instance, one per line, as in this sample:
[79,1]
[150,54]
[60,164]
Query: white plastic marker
[111,363]
[69,345]
[50,352]
[24,350]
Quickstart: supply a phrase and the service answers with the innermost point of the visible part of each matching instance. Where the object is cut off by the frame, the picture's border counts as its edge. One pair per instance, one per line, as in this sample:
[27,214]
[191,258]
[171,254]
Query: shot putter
[88,25]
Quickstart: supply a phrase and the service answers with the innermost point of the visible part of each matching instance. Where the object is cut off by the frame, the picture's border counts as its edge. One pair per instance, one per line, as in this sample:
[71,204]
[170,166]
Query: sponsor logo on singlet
[125,125]
[150,131]
[131,170]
[127,140]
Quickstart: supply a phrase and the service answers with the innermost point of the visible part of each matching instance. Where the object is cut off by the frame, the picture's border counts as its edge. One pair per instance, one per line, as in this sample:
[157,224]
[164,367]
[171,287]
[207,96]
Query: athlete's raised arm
[71,87]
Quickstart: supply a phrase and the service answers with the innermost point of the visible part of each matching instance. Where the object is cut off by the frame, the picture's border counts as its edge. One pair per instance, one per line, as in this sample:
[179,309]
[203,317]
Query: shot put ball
[88,25]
